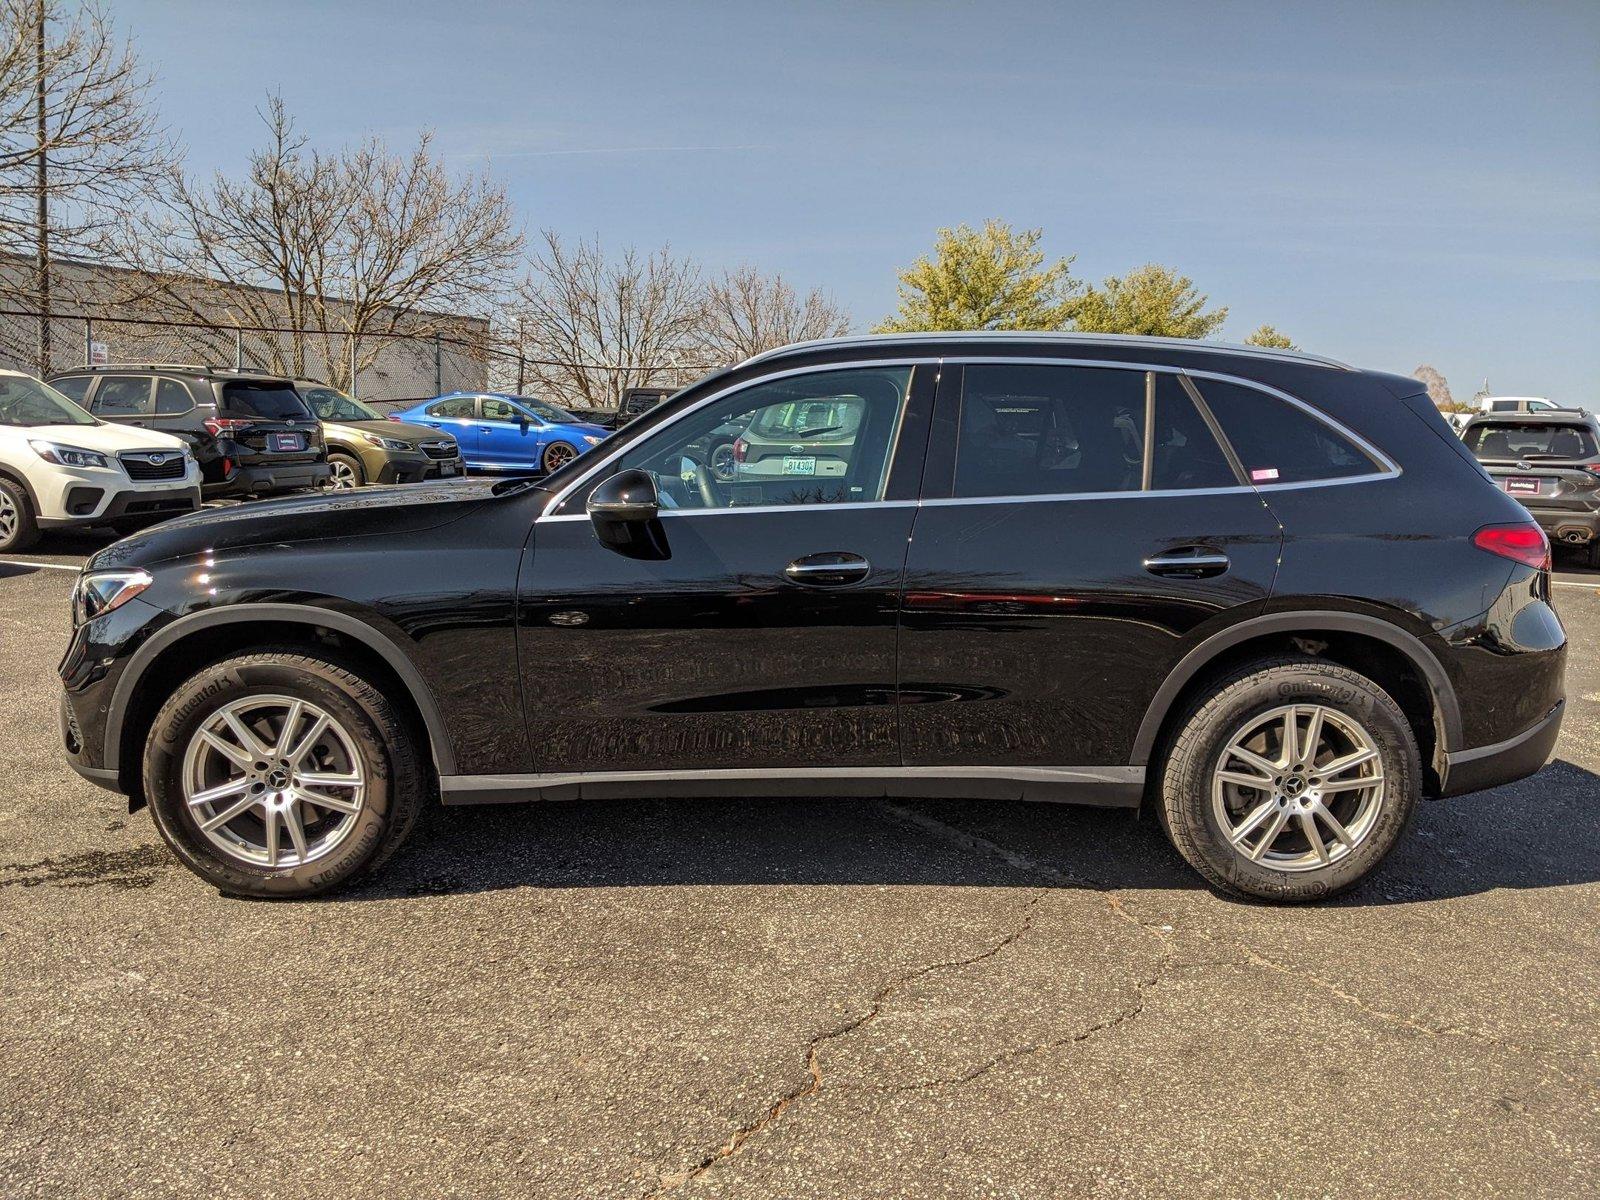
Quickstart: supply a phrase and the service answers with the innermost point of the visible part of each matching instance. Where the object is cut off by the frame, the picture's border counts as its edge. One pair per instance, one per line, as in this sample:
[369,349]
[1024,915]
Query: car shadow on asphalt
[1538,833]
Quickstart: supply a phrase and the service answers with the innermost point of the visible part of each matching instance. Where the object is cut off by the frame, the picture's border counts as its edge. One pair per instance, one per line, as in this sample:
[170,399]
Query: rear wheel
[557,455]
[1290,780]
[18,529]
[280,773]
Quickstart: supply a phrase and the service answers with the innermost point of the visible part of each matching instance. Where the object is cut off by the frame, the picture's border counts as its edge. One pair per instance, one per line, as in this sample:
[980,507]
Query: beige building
[97,311]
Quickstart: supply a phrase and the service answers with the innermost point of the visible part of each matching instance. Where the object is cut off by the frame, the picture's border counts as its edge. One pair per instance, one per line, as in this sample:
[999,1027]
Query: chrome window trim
[1062,339]
[565,494]
[1390,469]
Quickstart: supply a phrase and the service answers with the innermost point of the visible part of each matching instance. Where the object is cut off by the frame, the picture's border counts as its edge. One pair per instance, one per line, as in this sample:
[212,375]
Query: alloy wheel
[558,456]
[724,463]
[342,476]
[8,516]
[1298,787]
[273,781]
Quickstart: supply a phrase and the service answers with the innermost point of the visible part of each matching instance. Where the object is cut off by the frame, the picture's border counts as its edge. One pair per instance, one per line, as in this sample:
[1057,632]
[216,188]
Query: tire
[1591,554]
[557,455]
[365,737]
[1372,816]
[347,473]
[18,527]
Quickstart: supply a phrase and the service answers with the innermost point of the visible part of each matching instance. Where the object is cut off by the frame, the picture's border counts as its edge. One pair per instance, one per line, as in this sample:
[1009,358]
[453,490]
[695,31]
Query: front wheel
[18,529]
[556,456]
[280,773]
[1290,780]
[344,473]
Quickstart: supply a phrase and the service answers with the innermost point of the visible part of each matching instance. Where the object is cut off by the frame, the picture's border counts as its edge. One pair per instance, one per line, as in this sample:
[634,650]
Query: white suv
[59,466]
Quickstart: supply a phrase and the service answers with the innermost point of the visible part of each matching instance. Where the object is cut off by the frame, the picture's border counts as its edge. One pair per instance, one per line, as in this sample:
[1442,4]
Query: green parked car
[366,447]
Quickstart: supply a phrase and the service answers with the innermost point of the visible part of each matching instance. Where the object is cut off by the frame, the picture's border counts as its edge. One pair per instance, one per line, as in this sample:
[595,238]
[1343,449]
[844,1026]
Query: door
[509,437]
[761,634]
[1082,527]
[457,416]
[124,399]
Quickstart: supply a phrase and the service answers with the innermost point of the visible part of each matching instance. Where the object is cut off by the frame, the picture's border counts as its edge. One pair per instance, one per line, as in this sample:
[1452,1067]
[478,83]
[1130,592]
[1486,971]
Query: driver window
[500,410]
[822,438]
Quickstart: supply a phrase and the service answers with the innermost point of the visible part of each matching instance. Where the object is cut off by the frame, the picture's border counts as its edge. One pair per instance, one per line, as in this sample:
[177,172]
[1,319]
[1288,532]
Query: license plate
[286,441]
[799,466]
[1521,485]
[447,469]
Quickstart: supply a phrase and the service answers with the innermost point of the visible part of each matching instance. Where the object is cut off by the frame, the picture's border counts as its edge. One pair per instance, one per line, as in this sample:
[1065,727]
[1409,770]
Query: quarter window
[122,396]
[1278,442]
[821,438]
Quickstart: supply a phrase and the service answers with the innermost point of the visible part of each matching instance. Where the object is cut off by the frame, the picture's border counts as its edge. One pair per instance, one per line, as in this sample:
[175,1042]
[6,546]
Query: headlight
[98,592]
[67,456]
[388,443]
[592,440]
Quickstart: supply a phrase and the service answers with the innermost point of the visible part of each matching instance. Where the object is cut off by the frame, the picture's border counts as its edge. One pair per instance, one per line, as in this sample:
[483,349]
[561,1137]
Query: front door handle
[831,568]
[1187,562]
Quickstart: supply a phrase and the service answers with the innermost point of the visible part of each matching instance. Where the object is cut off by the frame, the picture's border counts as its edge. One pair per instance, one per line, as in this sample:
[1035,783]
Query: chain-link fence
[383,369]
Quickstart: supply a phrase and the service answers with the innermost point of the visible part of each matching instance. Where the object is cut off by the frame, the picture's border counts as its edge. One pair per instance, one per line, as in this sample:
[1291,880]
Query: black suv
[1549,461]
[1269,596]
[252,433]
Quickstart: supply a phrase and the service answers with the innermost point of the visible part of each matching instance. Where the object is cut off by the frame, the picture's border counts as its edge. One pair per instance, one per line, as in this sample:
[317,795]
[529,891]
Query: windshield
[547,411]
[28,402]
[1528,440]
[331,405]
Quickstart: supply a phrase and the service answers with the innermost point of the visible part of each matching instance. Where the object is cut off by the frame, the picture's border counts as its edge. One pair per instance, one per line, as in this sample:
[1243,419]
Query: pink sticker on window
[1261,474]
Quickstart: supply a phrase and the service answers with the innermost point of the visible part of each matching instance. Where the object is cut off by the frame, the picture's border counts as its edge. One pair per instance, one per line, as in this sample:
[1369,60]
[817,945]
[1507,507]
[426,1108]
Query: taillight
[225,425]
[1523,542]
[740,446]
[1592,468]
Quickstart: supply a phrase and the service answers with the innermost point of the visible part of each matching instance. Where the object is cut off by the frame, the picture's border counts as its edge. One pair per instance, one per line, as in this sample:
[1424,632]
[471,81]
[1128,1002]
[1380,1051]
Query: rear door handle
[831,568]
[1187,562]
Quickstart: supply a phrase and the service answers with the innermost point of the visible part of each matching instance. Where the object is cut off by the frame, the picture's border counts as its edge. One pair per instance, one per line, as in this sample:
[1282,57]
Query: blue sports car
[498,432]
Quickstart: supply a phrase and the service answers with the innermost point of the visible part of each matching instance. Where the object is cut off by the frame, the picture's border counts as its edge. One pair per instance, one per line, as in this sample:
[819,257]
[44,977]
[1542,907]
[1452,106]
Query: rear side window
[74,387]
[460,406]
[1530,440]
[272,401]
[1184,453]
[1041,430]
[1278,442]
[172,398]
[122,395]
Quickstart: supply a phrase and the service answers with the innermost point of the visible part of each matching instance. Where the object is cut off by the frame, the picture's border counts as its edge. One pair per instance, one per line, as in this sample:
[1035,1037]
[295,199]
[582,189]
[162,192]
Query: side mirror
[623,510]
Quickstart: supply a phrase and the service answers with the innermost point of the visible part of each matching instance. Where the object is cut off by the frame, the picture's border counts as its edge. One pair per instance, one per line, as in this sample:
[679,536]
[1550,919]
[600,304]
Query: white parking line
[17,562]
[1574,583]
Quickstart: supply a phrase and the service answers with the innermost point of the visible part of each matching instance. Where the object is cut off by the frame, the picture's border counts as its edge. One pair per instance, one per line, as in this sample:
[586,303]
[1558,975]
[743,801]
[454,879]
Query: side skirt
[1103,787]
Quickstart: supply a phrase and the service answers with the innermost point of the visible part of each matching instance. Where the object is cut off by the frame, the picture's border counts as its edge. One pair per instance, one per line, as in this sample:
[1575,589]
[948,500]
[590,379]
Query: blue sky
[1391,183]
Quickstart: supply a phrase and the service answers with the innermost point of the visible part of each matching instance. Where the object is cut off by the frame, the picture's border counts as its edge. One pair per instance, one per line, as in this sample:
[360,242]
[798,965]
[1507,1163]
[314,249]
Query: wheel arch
[1396,659]
[191,641]
[17,477]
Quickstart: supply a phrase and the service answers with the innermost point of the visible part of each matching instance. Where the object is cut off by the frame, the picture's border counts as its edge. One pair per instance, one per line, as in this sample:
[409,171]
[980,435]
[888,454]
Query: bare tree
[79,143]
[592,327]
[1438,389]
[345,251]
[747,312]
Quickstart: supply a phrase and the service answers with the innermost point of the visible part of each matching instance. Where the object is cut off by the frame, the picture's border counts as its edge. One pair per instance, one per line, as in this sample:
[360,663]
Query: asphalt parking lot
[785,998]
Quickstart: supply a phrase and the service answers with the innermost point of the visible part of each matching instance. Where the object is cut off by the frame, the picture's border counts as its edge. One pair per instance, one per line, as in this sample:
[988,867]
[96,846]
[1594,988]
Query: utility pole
[43,185]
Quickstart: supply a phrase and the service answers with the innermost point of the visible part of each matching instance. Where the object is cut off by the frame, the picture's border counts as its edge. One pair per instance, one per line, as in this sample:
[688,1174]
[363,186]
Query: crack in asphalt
[814,1076]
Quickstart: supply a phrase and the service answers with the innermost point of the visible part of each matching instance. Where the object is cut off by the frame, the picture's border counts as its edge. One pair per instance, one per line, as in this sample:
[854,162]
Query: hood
[405,430]
[108,437]
[352,514]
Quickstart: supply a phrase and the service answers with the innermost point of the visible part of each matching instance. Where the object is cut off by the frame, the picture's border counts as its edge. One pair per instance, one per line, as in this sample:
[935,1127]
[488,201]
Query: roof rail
[144,366]
[1066,339]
